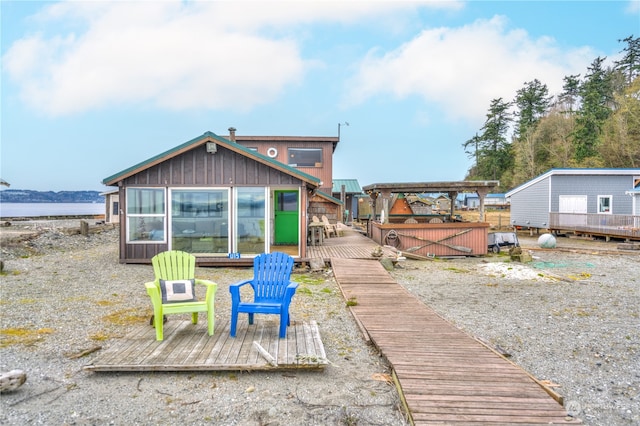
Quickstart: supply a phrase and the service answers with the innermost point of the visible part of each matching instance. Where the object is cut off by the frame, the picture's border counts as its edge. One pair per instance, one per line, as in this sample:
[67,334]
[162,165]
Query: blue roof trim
[569,171]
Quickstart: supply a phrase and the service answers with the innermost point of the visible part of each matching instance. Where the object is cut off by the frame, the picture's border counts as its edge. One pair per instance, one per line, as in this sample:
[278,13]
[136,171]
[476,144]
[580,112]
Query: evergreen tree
[597,98]
[629,65]
[533,102]
[570,93]
[495,151]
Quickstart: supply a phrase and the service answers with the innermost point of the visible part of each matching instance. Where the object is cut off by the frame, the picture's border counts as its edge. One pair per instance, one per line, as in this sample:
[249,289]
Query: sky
[90,88]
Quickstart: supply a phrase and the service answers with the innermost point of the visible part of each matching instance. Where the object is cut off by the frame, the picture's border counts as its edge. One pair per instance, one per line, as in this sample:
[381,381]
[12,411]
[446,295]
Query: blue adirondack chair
[272,290]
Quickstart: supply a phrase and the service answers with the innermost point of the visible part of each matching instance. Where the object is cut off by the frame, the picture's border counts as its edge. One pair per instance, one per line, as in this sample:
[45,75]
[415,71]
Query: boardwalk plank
[445,375]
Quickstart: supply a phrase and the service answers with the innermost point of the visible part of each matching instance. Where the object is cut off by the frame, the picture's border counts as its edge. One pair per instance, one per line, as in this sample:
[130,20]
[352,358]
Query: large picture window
[250,221]
[200,220]
[146,215]
[305,157]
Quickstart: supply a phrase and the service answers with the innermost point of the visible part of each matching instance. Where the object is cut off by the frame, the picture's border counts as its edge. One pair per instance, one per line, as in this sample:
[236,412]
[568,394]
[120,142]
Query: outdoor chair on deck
[329,227]
[272,290]
[173,291]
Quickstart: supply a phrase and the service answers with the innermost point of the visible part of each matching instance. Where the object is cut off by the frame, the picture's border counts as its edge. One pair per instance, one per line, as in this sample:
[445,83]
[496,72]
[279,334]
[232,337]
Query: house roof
[574,172]
[426,187]
[287,139]
[351,186]
[201,140]
[328,197]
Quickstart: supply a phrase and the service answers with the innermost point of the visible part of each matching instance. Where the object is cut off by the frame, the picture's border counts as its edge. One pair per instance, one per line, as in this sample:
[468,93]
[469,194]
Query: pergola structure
[384,190]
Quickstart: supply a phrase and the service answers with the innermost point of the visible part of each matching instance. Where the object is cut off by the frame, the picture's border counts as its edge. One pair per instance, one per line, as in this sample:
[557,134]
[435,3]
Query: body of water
[50,209]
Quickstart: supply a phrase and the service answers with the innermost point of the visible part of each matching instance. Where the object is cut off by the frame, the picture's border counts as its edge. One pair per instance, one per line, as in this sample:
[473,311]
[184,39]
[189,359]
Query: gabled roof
[351,186]
[202,140]
[328,197]
[574,172]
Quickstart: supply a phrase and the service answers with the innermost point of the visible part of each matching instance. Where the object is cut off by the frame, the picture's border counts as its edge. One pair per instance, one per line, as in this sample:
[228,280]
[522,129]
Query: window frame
[131,217]
[600,205]
[291,155]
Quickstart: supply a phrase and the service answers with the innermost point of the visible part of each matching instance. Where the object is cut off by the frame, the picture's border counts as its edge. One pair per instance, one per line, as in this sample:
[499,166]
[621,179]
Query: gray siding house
[586,201]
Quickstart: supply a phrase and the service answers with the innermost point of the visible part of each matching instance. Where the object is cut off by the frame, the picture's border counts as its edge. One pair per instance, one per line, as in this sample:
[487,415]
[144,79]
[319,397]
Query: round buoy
[547,241]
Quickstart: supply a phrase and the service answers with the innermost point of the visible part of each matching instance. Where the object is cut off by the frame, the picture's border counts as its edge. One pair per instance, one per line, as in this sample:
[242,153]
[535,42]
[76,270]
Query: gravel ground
[63,294]
[569,318]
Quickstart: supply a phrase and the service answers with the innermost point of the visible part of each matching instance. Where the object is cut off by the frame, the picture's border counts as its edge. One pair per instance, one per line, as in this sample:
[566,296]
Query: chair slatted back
[271,275]
[174,265]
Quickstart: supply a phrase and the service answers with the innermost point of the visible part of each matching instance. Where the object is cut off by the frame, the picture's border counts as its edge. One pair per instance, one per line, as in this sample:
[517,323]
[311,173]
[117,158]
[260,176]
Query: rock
[387,263]
[12,380]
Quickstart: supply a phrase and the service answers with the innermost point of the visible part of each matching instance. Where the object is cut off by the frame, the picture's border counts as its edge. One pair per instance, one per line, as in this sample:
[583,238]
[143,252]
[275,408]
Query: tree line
[593,122]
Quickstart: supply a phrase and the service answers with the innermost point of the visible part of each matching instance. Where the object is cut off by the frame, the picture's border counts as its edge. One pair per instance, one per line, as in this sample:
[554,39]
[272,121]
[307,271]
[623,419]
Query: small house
[586,201]
[218,199]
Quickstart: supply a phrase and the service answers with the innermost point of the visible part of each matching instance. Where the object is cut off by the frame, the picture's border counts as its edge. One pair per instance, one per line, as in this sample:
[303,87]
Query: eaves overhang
[202,140]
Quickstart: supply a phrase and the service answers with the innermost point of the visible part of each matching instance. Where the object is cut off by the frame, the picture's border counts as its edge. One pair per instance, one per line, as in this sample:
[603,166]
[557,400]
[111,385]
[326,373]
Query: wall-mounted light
[212,148]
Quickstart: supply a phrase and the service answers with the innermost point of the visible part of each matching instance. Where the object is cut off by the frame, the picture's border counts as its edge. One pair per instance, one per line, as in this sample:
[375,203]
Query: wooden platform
[349,245]
[443,374]
[187,347]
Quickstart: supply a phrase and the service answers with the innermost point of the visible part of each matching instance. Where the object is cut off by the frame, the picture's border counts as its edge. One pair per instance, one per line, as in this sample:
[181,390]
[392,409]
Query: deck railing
[614,225]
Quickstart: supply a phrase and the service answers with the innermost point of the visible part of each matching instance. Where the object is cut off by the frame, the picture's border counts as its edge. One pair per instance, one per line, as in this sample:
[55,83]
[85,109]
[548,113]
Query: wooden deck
[444,375]
[187,347]
[349,245]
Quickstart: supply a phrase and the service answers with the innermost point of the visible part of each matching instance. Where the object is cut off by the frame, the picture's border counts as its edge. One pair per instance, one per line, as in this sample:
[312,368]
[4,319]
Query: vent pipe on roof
[232,134]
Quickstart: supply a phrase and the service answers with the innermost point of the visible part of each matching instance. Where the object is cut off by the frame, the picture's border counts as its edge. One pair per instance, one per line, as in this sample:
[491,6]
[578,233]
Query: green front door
[286,217]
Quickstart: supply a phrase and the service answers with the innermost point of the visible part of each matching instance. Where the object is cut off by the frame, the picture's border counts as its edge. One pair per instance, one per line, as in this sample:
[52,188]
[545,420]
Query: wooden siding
[324,172]
[197,168]
[200,168]
[421,238]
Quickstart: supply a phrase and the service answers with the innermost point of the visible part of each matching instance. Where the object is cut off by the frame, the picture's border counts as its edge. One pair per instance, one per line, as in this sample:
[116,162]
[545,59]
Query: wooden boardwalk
[187,347]
[444,375]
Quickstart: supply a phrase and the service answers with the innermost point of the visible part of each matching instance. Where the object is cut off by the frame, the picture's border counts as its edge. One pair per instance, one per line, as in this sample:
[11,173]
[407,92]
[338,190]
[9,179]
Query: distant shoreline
[50,210]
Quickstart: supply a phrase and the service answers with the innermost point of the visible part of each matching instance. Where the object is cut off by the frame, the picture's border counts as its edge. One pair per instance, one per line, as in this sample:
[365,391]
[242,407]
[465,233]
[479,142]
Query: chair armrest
[234,289]
[154,292]
[211,290]
[290,290]
[236,286]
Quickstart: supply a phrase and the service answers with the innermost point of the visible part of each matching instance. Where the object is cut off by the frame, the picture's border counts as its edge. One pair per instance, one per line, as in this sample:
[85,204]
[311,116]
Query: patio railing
[614,225]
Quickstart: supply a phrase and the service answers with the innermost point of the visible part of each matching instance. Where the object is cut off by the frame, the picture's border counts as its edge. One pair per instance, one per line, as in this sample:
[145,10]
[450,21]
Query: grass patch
[22,336]
[457,270]
[126,317]
[309,279]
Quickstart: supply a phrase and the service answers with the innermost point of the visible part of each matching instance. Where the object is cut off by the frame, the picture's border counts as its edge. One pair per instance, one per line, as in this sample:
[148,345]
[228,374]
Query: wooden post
[84,227]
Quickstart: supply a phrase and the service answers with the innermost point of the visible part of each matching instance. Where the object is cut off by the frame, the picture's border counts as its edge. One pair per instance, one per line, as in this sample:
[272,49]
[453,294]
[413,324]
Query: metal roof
[574,172]
[201,140]
[351,186]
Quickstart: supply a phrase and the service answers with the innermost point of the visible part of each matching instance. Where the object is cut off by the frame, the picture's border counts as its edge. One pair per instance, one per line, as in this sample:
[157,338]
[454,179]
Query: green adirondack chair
[173,290]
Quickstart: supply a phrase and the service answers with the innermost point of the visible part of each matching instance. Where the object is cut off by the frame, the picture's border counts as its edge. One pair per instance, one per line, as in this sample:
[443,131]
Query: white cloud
[633,7]
[462,69]
[164,53]
[172,54]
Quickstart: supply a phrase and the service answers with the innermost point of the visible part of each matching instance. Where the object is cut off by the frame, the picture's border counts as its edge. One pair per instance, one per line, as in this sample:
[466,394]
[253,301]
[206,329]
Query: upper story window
[305,157]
